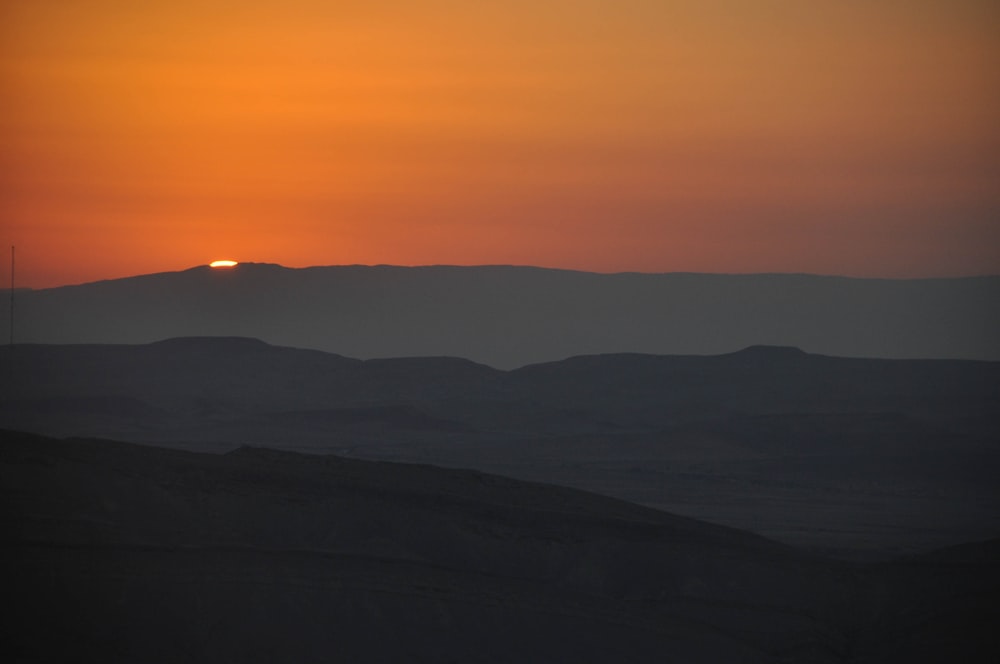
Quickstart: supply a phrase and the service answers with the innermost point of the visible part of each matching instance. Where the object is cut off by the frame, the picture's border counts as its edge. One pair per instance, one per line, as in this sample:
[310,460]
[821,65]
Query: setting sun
[222,264]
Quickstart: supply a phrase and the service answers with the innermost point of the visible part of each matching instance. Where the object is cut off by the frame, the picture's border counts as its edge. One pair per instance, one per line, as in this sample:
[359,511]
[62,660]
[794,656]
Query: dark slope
[941,606]
[852,456]
[126,553]
[510,316]
[154,555]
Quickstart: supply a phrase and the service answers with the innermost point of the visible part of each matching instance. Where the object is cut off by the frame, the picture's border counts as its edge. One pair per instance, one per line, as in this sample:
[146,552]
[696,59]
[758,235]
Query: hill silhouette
[117,552]
[507,316]
[858,457]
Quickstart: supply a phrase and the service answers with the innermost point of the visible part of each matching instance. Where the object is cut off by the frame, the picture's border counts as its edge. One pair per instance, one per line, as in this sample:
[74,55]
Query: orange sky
[845,137]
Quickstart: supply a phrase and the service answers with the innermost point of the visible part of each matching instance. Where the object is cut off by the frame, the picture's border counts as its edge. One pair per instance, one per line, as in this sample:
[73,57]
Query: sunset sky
[835,137]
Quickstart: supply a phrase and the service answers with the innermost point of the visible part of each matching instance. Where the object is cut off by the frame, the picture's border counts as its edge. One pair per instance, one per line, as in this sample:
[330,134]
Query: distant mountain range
[840,454]
[508,316]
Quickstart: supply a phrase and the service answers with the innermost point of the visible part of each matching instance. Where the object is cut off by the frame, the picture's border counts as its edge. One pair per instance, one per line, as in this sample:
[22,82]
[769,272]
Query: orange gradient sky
[836,137]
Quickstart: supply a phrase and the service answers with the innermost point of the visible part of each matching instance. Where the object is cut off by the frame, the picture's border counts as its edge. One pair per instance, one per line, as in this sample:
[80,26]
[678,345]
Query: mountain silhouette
[856,457]
[117,552]
[507,316]
[501,464]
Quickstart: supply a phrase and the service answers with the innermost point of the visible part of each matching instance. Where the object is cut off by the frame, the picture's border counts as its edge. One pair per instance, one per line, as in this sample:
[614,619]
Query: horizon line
[242,264]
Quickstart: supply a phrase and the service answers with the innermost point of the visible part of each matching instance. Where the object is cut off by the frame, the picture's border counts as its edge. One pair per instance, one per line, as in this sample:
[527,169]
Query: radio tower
[8,390]
[12,298]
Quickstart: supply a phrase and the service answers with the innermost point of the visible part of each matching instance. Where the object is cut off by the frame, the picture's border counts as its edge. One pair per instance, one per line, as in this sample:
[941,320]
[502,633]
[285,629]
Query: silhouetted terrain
[203,546]
[510,316]
[116,552]
[856,457]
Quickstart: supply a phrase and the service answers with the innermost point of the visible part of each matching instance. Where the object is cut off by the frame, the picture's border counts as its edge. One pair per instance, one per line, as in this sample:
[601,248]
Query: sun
[223,264]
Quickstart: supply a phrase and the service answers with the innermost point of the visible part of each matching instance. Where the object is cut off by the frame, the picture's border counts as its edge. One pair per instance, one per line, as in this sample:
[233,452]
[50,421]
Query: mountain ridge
[728,438]
[510,316]
[263,265]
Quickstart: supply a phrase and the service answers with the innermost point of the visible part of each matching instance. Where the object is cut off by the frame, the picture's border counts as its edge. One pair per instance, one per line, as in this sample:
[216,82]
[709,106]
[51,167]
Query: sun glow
[222,264]
[614,137]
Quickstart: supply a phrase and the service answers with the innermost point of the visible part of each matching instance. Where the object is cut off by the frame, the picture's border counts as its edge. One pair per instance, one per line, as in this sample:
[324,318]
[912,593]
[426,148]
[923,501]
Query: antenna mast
[12,296]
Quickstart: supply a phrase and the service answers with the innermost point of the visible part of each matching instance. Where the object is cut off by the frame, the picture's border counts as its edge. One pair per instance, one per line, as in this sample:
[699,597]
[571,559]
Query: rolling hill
[856,457]
[117,552]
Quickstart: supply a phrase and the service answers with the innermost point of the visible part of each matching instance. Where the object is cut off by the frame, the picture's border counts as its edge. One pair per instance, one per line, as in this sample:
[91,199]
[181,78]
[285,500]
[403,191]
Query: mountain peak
[211,342]
[767,351]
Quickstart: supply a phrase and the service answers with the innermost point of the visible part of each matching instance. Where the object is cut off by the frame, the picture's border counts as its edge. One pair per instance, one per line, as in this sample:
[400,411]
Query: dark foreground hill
[851,456]
[114,552]
[510,316]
